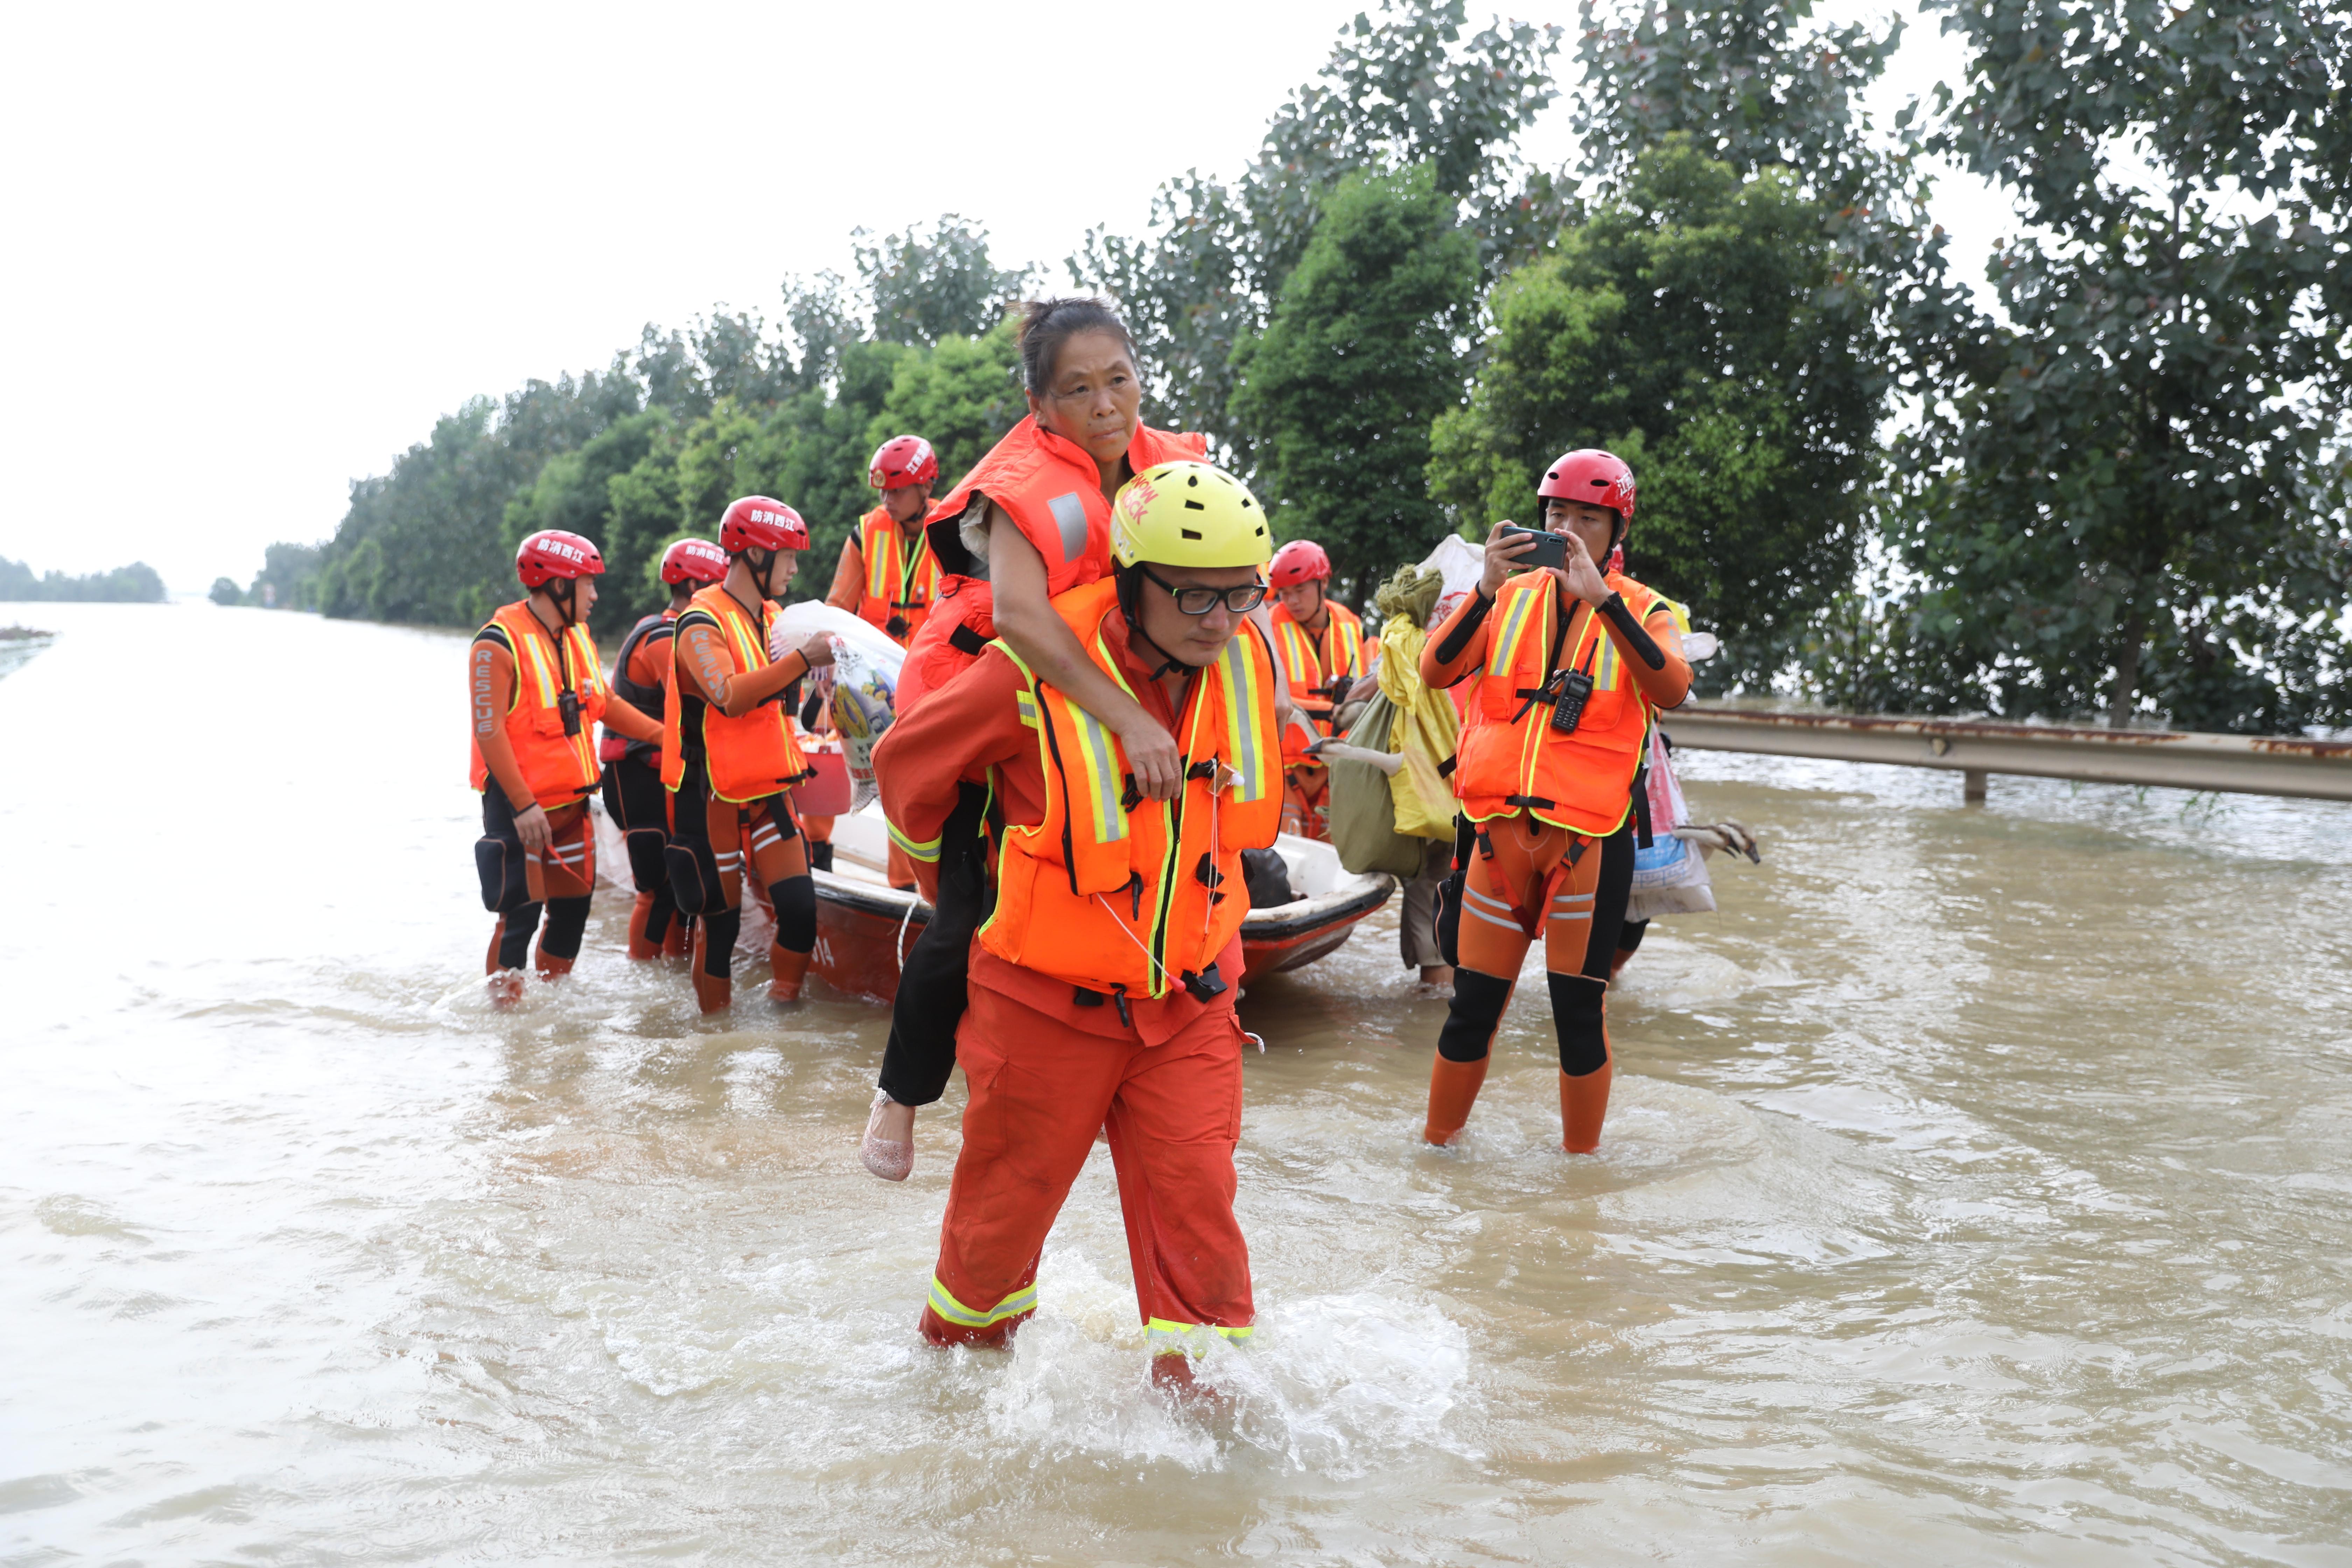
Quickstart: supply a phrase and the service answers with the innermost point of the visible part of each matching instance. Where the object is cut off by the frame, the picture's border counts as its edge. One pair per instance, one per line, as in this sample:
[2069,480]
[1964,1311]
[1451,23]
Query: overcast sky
[254,253]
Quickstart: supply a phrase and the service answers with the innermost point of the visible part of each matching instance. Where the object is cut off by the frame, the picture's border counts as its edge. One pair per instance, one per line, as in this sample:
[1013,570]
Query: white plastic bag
[866,665]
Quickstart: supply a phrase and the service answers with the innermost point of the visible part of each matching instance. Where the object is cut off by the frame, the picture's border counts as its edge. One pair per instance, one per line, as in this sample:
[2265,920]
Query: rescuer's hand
[1580,576]
[1151,752]
[532,825]
[818,650]
[1502,558]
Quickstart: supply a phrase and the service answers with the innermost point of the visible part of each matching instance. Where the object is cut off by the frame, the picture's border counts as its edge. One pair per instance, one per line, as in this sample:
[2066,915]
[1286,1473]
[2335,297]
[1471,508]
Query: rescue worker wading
[1571,666]
[1031,520]
[729,756]
[634,795]
[535,692]
[1102,986]
[888,574]
[1321,646]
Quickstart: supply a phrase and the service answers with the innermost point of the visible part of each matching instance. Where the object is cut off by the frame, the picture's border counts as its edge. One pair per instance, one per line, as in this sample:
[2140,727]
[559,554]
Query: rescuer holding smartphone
[1573,664]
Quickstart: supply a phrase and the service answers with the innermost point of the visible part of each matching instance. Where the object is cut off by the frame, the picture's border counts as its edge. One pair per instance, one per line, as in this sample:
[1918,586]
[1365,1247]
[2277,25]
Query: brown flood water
[1978,1190]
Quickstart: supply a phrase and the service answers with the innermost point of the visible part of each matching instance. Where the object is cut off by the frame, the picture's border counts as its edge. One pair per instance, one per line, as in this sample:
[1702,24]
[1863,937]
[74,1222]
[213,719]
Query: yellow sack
[1423,731]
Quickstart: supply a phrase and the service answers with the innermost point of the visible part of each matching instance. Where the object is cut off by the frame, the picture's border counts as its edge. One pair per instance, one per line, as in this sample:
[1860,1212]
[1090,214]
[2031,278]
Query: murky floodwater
[1978,1190]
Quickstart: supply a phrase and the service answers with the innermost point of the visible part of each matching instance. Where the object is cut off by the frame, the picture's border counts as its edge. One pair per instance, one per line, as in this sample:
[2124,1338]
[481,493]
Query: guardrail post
[1972,787]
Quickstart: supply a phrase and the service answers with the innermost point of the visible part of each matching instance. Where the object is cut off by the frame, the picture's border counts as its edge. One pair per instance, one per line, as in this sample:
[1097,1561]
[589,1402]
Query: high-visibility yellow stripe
[1247,699]
[1526,608]
[1299,662]
[1026,702]
[1099,775]
[1022,1300]
[923,849]
[1163,1337]
[881,559]
[542,673]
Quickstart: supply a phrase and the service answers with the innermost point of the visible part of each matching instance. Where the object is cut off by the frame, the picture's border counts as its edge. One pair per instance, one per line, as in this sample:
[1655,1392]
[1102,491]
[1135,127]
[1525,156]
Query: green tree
[1362,353]
[136,583]
[2129,494]
[1691,326]
[224,591]
[288,578]
[928,286]
[573,493]
[1404,86]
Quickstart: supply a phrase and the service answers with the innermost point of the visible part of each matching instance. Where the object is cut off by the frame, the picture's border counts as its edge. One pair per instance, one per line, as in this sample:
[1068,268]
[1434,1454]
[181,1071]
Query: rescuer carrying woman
[1571,668]
[1102,986]
[1030,521]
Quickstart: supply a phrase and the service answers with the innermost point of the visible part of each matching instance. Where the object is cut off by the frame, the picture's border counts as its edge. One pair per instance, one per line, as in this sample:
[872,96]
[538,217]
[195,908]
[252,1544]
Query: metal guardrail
[2172,759]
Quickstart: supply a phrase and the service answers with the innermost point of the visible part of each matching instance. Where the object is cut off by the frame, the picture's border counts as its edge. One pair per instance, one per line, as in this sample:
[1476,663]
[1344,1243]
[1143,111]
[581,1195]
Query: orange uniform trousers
[1040,1088]
[1529,880]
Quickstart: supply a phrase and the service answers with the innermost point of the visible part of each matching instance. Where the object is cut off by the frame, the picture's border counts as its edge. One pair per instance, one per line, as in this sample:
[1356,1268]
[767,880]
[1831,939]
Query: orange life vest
[560,768]
[1108,892]
[747,758]
[1310,661]
[894,585]
[1052,489]
[1511,760]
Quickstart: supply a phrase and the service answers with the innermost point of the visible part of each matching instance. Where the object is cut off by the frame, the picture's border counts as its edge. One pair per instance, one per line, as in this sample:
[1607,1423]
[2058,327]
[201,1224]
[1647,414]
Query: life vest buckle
[1208,984]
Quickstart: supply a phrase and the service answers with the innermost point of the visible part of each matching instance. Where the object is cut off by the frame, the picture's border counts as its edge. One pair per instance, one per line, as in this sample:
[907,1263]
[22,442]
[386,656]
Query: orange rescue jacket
[1310,662]
[1511,759]
[746,758]
[1052,489]
[894,584]
[560,768]
[1114,893]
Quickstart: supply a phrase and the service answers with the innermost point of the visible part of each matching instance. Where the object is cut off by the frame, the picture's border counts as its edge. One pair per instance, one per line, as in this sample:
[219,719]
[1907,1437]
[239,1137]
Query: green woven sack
[1364,812]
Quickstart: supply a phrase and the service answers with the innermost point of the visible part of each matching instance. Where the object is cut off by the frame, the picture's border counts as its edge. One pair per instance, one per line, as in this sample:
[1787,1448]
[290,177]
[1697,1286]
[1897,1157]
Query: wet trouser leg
[778,858]
[635,799]
[511,948]
[933,977]
[1525,879]
[1040,1088]
[1417,918]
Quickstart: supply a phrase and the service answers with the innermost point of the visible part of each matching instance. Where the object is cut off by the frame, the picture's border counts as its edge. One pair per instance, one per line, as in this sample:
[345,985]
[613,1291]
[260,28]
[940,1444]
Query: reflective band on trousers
[1164,1338]
[954,1312]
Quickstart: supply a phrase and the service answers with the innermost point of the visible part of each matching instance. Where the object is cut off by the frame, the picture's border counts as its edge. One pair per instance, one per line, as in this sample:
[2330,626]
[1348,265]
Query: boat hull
[862,932]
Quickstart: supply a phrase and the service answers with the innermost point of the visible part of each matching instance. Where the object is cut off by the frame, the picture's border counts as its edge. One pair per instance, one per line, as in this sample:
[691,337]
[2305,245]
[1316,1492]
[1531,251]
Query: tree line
[2121,488]
[136,583]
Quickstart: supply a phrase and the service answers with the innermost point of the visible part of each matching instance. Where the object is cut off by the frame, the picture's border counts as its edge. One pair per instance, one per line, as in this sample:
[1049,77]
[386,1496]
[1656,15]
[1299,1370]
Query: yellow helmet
[1188,514]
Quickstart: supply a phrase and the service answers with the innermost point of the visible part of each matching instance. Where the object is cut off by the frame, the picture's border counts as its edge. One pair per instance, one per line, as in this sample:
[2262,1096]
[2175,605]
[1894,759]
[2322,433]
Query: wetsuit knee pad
[692,870]
[720,930]
[1472,1018]
[647,866]
[567,924]
[796,901]
[1577,1005]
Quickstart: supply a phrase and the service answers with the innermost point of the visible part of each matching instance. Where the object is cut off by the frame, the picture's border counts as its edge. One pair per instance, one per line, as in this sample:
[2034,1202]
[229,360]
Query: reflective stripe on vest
[893,585]
[1110,896]
[1510,759]
[748,757]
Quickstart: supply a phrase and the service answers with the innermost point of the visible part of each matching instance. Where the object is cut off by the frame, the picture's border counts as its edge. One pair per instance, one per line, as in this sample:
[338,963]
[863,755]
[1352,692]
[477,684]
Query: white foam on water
[1340,1385]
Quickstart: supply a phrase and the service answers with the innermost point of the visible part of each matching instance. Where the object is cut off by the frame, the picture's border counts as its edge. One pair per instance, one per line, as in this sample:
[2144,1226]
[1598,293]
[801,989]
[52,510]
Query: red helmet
[900,461]
[756,522]
[551,554]
[693,561]
[1590,474]
[1300,561]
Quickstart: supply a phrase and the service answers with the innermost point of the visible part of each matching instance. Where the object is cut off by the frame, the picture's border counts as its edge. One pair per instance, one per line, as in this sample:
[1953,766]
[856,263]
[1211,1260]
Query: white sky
[254,252]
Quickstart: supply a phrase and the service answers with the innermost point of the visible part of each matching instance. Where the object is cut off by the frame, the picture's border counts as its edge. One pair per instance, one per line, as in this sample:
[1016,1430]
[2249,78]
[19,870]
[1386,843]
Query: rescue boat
[864,926]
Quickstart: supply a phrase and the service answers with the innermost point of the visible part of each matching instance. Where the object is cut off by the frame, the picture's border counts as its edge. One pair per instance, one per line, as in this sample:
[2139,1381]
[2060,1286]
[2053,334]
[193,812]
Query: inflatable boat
[864,924]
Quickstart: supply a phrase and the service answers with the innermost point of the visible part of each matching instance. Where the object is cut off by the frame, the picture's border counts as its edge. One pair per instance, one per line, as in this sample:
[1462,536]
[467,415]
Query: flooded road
[1978,1189]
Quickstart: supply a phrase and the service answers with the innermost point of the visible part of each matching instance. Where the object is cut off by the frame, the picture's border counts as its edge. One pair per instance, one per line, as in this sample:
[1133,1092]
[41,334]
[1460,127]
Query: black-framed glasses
[1197,601]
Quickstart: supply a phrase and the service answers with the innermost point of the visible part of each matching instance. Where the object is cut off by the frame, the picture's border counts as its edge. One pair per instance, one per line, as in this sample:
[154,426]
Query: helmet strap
[1130,599]
[563,593]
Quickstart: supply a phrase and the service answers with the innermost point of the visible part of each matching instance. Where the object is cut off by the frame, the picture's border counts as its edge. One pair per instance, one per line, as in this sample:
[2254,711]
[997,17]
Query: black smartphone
[1551,549]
